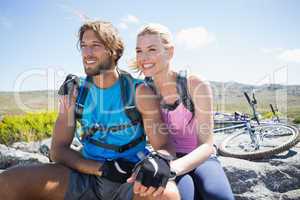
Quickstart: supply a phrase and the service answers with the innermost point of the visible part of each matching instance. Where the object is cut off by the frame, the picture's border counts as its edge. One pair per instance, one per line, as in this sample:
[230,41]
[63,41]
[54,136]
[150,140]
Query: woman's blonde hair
[154,29]
[157,29]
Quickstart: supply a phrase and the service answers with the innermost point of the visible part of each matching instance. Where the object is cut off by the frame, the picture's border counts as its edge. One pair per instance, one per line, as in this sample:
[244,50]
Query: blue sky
[253,42]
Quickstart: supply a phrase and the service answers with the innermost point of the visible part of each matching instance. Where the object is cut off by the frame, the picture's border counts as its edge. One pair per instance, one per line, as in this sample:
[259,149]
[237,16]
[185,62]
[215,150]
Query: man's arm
[62,138]
[148,104]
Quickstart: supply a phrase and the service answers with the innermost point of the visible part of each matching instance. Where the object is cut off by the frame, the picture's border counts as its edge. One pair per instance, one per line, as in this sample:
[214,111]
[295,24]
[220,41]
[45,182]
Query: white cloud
[128,20]
[82,16]
[74,12]
[286,55]
[192,38]
[271,50]
[290,55]
[131,19]
[123,25]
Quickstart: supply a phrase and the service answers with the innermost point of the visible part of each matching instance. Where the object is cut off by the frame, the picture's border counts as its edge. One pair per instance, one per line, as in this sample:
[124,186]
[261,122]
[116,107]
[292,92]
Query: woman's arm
[202,98]
[156,131]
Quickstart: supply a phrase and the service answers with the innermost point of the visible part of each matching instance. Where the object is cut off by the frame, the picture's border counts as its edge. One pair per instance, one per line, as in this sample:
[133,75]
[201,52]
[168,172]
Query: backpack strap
[149,82]
[70,82]
[73,82]
[128,97]
[119,149]
[182,89]
[83,92]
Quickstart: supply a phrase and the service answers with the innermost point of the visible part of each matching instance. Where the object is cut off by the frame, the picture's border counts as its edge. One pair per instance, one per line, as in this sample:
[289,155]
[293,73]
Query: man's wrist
[99,172]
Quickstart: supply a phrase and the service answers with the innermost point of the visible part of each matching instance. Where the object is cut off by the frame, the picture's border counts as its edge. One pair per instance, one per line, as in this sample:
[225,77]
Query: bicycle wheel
[277,138]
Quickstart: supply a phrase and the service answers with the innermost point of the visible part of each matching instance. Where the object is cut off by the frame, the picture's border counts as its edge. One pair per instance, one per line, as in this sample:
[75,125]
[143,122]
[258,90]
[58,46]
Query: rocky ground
[277,177]
[274,178]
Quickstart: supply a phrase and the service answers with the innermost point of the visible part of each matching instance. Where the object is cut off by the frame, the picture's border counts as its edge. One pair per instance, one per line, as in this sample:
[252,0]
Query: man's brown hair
[107,34]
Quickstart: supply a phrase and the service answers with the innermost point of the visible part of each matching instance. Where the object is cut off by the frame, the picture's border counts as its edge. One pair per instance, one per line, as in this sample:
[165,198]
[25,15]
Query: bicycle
[226,122]
[256,140]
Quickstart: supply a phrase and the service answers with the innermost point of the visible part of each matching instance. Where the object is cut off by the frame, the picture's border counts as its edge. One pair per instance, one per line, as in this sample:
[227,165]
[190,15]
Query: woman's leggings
[208,181]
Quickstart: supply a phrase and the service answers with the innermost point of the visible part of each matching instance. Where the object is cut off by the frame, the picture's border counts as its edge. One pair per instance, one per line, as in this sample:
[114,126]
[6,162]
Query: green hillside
[228,97]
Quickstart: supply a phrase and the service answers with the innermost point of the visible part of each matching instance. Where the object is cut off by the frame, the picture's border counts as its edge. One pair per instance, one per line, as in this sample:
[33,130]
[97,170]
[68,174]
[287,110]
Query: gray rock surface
[11,157]
[275,178]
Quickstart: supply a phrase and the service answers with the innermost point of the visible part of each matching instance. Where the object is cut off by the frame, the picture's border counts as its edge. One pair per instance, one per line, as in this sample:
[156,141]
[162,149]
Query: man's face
[95,56]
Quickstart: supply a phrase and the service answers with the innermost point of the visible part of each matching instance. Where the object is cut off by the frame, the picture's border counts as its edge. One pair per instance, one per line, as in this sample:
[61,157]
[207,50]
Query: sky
[252,42]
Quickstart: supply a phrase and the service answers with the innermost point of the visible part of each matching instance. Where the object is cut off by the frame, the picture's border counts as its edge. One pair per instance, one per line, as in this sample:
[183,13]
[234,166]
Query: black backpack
[182,90]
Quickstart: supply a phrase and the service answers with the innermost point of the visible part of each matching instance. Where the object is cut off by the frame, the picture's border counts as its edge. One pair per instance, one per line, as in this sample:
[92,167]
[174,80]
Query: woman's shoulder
[197,83]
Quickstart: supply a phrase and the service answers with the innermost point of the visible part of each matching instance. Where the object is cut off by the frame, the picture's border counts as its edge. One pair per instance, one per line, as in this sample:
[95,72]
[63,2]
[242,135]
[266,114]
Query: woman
[186,108]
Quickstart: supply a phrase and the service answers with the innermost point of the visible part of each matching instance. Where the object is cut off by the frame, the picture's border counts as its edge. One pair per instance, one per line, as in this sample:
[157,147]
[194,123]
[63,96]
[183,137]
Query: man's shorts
[90,187]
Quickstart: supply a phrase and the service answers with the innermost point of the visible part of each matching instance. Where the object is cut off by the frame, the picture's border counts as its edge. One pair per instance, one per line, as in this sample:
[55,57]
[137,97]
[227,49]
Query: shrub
[296,120]
[270,115]
[28,127]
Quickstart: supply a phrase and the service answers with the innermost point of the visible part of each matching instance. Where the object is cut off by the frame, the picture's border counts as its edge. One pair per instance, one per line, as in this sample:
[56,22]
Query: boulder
[11,157]
[277,177]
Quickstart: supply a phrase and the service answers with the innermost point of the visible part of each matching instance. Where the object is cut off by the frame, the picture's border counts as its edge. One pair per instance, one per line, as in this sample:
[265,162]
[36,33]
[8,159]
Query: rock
[42,147]
[33,147]
[275,178]
[11,157]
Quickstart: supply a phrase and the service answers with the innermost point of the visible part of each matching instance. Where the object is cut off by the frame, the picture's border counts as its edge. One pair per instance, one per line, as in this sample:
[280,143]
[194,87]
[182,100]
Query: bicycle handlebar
[252,104]
[272,108]
[248,98]
[274,112]
[254,99]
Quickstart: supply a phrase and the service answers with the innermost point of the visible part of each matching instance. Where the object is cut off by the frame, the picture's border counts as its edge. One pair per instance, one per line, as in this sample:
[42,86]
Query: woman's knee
[212,181]
[221,192]
[186,187]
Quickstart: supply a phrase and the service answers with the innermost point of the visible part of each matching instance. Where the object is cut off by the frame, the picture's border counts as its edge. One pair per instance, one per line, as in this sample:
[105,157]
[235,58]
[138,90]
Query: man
[114,139]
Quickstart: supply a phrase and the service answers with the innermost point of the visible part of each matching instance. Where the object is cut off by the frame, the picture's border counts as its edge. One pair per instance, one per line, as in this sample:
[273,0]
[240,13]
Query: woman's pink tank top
[182,129]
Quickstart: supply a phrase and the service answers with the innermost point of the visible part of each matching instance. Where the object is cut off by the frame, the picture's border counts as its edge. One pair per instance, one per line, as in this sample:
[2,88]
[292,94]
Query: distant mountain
[239,87]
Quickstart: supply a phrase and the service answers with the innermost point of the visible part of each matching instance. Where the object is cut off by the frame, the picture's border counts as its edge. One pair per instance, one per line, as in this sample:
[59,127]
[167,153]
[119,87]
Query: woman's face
[152,56]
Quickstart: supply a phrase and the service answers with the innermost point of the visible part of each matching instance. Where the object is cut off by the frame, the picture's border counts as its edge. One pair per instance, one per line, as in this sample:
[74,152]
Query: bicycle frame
[267,137]
[257,137]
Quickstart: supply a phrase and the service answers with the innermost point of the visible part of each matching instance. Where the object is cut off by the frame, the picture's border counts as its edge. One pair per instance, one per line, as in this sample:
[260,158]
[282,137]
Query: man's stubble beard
[106,66]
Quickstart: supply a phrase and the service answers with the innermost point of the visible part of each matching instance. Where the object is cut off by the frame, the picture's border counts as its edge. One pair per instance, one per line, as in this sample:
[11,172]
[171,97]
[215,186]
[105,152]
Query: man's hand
[117,170]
